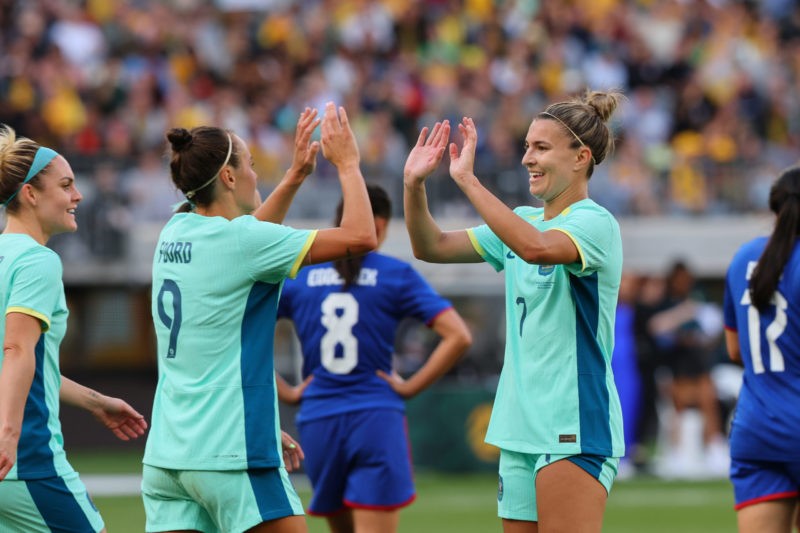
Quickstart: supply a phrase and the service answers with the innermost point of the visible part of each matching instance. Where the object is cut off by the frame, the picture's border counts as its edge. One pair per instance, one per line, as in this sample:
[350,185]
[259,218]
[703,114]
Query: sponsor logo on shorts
[568,438]
[500,489]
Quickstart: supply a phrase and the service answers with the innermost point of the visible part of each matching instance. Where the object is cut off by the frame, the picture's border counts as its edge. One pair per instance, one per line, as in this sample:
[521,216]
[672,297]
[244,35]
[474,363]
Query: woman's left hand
[122,419]
[304,160]
[292,452]
[462,165]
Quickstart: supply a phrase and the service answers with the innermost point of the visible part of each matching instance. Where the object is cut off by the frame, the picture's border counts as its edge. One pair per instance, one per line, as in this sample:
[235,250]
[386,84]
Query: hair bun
[179,138]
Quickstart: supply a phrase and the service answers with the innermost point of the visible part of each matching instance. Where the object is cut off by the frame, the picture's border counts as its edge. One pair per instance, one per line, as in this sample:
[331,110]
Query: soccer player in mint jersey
[762,332]
[351,418]
[556,417]
[214,458]
[39,490]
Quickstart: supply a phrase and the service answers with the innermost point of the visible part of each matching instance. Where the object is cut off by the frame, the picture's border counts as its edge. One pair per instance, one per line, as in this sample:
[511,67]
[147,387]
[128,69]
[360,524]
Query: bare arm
[428,241]
[527,242]
[732,343]
[356,233]
[122,419]
[290,394]
[456,338]
[19,364]
[275,207]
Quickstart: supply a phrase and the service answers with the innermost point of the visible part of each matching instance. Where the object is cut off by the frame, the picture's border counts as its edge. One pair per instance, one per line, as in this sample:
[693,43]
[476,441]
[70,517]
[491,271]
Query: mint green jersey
[556,392]
[216,284]
[30,277]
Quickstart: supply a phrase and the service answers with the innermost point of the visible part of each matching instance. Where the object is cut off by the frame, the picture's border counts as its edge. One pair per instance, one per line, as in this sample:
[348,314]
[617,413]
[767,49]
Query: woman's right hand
[427,153]
[8,455]
[338,142]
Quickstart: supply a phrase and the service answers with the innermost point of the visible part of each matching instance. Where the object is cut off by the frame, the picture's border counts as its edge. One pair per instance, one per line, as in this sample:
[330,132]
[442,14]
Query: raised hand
[122,419]
[304,160]
[427,153]
[462,165]
[338,142]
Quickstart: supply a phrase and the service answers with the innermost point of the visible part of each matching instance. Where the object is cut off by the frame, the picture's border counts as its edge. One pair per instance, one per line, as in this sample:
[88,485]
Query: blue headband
[42,158]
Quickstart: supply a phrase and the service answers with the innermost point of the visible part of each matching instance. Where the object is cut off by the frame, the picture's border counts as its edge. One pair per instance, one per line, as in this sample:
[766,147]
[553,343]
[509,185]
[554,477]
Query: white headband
[190,194]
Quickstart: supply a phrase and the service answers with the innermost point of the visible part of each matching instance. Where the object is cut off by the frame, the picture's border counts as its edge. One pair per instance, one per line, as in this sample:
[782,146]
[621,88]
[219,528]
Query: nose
[77,196]
[527,157]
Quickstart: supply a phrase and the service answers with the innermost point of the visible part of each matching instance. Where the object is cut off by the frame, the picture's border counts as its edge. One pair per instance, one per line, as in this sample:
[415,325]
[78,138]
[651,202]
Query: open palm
[427,153]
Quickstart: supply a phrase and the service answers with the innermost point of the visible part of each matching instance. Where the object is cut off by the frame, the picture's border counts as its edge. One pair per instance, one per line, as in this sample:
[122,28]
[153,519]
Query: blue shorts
[516,495]
[761,481]
[213,501]
[359,459]
[45,505]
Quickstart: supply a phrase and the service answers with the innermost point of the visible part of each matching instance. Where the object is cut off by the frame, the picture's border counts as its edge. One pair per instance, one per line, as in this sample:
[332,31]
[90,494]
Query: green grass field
[466,504]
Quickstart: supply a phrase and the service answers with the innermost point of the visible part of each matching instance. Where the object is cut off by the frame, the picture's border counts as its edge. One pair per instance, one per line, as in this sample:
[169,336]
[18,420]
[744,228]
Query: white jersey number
[773,331]
[339,315]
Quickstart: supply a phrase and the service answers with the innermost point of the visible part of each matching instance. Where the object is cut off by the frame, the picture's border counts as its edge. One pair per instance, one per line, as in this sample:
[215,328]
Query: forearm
[441,360]
[15,384]
[524,240]
[275,207]
[456,339]
[357,219]
[77,395]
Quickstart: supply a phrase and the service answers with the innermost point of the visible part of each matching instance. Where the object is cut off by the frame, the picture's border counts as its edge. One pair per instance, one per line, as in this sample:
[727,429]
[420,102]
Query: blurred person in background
[352,415]
[214,459]
[762,333]
[624,365]
[556,417]
[687,330]
[39,489]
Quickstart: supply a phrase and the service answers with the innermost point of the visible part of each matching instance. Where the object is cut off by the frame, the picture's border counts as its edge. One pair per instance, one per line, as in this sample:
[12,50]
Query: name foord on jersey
[321,277]
[175,252]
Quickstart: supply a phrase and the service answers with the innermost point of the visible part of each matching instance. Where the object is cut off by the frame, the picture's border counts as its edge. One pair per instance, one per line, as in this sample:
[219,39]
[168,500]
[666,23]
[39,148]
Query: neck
[223,207]
[18,224]
[569,196]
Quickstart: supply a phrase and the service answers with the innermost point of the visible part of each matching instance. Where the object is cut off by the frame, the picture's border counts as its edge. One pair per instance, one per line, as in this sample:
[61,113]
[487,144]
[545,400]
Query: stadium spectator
[351,418]
[39,489]
[761,333]
[213,458]
[556,417]
[114,75]
[687,329]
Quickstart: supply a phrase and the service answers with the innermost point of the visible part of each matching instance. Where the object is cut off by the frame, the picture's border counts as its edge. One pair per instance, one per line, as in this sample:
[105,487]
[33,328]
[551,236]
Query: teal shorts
[516,495]
[45,505]
[211,501]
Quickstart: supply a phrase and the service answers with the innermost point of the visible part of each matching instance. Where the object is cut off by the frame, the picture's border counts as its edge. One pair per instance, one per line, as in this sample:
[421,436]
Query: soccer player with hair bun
[556,416]
[216,459]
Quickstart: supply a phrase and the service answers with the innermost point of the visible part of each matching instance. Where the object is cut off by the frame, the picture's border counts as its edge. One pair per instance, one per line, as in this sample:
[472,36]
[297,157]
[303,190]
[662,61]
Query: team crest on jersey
[500,489]
[546,270]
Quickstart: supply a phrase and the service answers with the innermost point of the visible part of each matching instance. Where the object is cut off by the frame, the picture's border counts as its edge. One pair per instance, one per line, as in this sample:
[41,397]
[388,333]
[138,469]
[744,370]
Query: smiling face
[554,165]
[56,199]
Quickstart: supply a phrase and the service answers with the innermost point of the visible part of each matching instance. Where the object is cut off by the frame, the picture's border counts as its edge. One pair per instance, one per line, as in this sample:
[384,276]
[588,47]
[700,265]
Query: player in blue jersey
[213,460]
[351,418]
[762,332]
[556,416]
[39,490]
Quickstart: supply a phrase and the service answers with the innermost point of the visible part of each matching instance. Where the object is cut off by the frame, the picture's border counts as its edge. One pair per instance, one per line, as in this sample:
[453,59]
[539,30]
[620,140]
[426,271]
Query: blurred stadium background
[713,113]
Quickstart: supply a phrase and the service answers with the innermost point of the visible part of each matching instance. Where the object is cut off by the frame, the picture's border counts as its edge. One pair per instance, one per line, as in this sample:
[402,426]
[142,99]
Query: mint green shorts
[212,501]
[516,495]
[49,504]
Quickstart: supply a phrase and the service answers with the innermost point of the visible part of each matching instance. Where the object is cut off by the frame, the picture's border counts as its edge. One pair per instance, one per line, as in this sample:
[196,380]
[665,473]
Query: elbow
[363,243]
[463,341]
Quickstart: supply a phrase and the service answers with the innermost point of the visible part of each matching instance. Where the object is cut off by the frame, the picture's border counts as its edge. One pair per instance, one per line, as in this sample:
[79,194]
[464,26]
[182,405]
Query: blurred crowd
[713,88]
